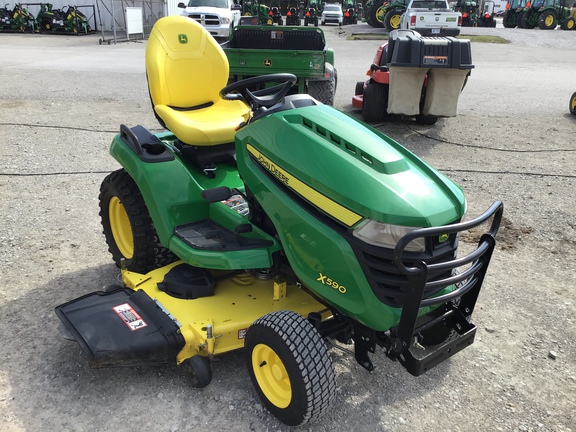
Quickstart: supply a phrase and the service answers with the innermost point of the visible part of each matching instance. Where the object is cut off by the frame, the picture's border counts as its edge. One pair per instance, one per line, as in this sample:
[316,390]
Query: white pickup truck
[216,16]
[431,18]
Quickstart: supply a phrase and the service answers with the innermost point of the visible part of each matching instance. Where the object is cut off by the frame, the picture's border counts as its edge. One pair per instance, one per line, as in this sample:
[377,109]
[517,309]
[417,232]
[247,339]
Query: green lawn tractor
[19,19]
[547,14]
[273,224]
[68,20]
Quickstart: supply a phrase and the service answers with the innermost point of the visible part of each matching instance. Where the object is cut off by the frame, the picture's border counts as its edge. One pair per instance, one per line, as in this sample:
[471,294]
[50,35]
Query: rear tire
[290,367]
[524,18]
[323,91]
[128,227]
[392,20]
[375,102]
[573,104]
[374,16]
[547,20]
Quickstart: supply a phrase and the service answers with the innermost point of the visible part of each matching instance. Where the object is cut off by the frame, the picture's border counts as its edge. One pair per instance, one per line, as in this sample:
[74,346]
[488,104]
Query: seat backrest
[185,66]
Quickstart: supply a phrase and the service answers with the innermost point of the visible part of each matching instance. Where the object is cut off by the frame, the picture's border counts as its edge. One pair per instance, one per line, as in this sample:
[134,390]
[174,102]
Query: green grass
[472,38]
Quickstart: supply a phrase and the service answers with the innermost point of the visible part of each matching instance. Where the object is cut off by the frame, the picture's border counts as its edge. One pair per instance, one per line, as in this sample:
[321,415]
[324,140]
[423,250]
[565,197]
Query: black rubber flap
[121,328]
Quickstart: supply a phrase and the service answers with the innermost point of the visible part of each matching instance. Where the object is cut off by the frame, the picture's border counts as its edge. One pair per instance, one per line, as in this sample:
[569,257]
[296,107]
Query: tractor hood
[350,171]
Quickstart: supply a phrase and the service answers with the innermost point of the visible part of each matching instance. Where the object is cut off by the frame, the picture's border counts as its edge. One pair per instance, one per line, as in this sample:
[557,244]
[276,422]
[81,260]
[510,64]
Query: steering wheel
[266,97]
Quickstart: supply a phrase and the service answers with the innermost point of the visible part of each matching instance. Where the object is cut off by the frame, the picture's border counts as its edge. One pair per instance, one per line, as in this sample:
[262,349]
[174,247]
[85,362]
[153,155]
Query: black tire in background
[547,20]
[128,227]
[371,18]
[324,90]
[392,19]
[374,102]
[568,24]
[573,104]
[426,119]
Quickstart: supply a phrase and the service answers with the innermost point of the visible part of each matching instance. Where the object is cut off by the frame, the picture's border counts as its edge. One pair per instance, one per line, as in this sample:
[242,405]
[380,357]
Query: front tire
[128,227]
[290,367]
[568,24]
[199,371]
[573,104]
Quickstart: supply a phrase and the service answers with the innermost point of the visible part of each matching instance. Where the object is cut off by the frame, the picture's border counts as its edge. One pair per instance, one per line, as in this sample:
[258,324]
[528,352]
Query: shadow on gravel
[48,385]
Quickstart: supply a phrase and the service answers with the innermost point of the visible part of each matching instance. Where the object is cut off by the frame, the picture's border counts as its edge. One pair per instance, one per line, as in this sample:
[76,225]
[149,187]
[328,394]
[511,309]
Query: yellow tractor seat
[186,69]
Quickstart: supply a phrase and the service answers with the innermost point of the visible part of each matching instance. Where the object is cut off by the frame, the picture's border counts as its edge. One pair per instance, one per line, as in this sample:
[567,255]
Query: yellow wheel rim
[271,375]
[380,14]
[395,21]
[549,20]
[573,103]
[121,229]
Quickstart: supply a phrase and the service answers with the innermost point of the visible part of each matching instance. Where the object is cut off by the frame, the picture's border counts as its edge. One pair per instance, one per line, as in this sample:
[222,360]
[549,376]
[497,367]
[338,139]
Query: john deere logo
[267,62]
[442,238]
[182,38]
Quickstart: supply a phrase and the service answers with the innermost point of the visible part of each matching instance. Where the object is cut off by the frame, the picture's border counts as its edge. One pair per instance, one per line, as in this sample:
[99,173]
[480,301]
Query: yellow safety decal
[324,203]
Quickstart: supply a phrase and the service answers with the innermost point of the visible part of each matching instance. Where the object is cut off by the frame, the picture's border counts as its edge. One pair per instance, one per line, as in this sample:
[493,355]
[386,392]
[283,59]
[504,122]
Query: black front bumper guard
[458,304]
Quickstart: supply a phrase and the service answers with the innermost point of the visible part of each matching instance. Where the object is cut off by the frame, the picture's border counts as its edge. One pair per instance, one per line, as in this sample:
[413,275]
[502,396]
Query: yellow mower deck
[218,324]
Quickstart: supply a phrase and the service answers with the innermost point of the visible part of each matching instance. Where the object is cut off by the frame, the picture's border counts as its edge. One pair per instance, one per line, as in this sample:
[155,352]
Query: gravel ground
[63,99]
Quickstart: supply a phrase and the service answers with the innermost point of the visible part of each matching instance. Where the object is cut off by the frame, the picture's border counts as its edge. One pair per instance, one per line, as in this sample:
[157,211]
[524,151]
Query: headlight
[387,235]
[225,20]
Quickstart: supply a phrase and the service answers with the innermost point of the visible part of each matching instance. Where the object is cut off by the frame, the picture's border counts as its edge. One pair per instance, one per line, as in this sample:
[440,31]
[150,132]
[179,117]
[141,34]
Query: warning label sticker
[129,316]
[435,60]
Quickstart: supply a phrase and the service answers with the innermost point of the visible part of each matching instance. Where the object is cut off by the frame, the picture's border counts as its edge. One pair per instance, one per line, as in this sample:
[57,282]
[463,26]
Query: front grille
[205,19]
[388,284]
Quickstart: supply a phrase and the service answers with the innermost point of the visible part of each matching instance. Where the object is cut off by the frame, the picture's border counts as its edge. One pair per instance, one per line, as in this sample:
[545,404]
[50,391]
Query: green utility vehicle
[302,51]
[547,15]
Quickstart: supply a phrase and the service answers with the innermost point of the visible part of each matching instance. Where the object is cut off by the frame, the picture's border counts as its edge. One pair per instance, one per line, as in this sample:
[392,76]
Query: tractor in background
[547,15]
[487,18]
[469,10]
[66,20]
[350,15]
[311,15]
[514,9]
[19,19]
